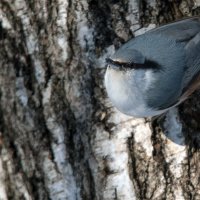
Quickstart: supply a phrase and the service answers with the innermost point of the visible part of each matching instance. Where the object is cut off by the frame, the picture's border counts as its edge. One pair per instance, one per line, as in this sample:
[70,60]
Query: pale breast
[125,94]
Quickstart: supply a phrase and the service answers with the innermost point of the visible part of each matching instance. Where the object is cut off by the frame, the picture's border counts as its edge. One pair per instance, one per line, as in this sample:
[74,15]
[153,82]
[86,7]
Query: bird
[155,71]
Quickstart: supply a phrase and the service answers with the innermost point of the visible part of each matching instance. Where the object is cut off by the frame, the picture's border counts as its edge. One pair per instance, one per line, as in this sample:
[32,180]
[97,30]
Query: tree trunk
[60,137]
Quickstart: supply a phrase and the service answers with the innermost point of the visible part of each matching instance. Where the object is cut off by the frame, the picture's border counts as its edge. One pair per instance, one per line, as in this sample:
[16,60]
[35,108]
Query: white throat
[125,92]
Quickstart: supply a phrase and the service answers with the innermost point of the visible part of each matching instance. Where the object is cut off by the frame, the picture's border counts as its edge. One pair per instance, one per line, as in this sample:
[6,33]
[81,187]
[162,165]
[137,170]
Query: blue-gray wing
[176,48]
[181,31]
[187,33]
[191,80]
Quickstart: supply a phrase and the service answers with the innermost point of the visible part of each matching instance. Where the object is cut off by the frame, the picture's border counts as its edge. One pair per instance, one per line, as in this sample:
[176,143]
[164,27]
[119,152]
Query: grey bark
[60,137]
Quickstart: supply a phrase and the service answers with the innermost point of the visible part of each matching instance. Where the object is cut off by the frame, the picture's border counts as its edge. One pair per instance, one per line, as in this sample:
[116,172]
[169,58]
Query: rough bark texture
[60,137]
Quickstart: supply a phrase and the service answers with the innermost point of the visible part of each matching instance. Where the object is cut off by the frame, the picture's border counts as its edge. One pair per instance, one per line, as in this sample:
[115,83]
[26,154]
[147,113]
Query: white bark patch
[42,9]
[3,195]
[196,3]
[62,13]
[152,3]
[22,187]
[140,129]
[133,15]
[85,34]
[31,39]
[21,92]
[32,43]
[142,135]
[17,182]
[39,71]
[47,93]
[5,22]
[118,183]
[114,152]
[58,188]
[61,183]
[62,43]
[61,22]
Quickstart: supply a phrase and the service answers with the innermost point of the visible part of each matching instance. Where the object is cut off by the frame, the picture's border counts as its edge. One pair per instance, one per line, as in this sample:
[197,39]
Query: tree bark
[60,137]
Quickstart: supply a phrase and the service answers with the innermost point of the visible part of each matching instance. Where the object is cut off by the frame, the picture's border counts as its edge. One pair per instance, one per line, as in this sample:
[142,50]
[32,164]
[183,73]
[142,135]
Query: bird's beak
[112,64]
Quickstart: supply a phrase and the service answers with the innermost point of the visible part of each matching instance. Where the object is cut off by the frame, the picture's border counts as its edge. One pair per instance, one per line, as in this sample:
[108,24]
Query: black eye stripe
[122,64]
[112,62]
[147,65]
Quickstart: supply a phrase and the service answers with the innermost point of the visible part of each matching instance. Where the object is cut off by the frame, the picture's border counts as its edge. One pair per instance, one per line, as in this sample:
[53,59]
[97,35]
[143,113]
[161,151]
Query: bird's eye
[109,61]
[112,63]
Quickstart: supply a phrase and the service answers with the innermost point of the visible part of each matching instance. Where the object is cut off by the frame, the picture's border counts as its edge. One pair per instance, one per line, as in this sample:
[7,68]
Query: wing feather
[181,31]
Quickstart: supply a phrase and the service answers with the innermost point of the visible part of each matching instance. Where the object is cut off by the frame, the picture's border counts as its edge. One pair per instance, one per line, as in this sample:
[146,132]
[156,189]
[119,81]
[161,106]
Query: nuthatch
[157,70]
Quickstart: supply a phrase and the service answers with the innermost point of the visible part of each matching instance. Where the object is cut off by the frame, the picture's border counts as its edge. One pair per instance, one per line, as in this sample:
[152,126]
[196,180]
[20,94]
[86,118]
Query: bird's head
[129,59]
